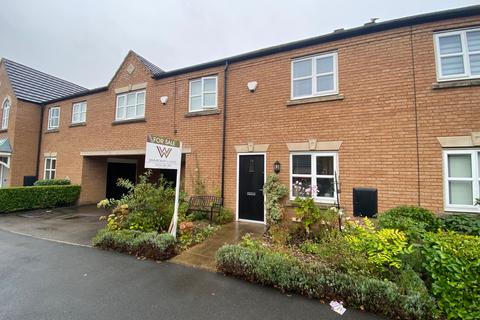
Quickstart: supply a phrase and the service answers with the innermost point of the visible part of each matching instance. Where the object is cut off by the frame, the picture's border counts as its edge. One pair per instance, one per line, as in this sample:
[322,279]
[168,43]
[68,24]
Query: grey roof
[5,146]
[154,70]
[35,86]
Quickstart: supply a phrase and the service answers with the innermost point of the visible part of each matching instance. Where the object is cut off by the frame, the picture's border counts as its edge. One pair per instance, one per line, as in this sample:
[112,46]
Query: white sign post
[165,153]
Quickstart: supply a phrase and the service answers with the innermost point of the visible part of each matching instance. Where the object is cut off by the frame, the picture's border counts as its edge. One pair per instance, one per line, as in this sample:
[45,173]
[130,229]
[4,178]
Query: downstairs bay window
[314,171]
[461,180]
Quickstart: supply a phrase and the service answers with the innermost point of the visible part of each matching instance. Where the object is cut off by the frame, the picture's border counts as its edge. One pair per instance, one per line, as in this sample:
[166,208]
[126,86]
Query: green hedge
[152,245]
[413,221]
[316,281]
[52,182]
[462,223]
[453,263]
[28,198]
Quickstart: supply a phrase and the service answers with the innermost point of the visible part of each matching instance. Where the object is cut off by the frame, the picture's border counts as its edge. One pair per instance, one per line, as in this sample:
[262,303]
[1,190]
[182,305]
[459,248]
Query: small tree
[147,206]
[274,193]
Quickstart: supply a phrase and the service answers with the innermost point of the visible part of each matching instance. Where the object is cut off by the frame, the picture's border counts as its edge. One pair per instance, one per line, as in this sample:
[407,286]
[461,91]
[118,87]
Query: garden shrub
[191,233]
[313,218]
[224,216]
[453,263]
[413,221]
[462,223]
[336,253]
[149,204]
[410,282]
[152,245]
[197,215]
[52,182]
[274,193]
[279,234]
[259,264]
[384,248]
[28,198]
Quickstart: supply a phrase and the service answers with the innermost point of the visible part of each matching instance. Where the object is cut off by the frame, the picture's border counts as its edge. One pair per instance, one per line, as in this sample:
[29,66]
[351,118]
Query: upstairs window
[314,76]
[5,113]
[203,94]
[53,118]
[130,106]
[50,168]
[458,54]
[79,112]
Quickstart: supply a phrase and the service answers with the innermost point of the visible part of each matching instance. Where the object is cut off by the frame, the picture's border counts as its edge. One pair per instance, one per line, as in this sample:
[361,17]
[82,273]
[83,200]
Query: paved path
[47,280]
[72,224]
[203,254]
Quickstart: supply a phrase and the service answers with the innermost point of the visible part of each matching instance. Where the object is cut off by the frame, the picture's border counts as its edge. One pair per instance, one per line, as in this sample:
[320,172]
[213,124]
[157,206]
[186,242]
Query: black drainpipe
[224,130]
[416,116]
[40,134]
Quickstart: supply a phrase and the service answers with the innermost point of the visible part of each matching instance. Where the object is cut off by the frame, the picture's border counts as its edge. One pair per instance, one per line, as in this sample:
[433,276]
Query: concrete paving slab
[203,255]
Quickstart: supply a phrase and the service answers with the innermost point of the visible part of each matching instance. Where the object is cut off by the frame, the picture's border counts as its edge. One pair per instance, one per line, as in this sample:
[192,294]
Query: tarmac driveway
[76,225]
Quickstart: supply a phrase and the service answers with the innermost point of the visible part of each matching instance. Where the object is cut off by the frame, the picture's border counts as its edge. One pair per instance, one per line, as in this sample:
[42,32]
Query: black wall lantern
[276,167]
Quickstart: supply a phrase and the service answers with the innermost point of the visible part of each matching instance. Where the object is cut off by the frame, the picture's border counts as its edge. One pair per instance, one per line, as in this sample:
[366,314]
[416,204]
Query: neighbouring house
[23,94]
[391,106]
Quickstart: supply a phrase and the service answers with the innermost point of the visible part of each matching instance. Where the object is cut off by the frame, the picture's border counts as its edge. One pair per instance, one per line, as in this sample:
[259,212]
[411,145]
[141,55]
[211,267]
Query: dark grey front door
[251,175]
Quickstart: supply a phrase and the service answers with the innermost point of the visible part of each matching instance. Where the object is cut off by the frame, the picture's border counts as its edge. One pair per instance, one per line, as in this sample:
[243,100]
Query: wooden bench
[208,204]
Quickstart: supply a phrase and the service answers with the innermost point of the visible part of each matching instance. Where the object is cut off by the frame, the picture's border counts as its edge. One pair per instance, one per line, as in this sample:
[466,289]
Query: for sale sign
[165,153]
[162,153]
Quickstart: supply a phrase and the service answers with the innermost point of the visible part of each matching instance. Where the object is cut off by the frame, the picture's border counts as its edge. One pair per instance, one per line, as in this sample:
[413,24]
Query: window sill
[333,97]
[202,113]
[322,204]
[3,130]
[456,84]
[79,124]
[52,130]
[117,122]
[469,210]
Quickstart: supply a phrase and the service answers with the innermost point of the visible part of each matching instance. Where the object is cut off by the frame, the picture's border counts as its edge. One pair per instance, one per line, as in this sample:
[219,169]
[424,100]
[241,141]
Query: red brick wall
[22,132]
[376,119]
[441,112]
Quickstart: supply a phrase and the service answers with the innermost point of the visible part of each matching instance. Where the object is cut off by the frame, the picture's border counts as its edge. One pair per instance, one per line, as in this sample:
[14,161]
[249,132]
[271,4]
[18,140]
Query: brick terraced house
[392,106]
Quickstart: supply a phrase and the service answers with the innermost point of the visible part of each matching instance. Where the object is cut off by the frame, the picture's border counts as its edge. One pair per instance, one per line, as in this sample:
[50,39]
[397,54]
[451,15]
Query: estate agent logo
[164,152]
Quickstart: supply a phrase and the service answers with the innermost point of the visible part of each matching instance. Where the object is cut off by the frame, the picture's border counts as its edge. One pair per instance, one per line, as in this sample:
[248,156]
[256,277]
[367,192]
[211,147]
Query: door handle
[252,194]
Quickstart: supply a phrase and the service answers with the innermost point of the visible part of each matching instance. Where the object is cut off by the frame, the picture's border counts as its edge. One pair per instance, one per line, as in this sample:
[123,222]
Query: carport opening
[102,169]
[131,169]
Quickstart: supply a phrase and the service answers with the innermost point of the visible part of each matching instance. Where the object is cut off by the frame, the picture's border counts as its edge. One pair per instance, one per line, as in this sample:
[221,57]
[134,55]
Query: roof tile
[35,86]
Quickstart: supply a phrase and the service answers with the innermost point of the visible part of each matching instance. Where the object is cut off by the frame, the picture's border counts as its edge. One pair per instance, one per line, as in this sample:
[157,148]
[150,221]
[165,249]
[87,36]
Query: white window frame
[465,55]
[137,116]
[5,114]
[49,171]
[77,109]
[6,164]
[314,76]
[313,174]
[51,117]
[4,170]
[474,155]
[202,94]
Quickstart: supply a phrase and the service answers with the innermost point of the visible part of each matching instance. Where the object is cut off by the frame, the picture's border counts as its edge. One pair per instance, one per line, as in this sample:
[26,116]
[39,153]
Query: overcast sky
[84,41]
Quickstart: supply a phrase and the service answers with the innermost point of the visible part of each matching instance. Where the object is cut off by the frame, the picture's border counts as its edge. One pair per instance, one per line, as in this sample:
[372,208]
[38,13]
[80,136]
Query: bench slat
[207,204]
